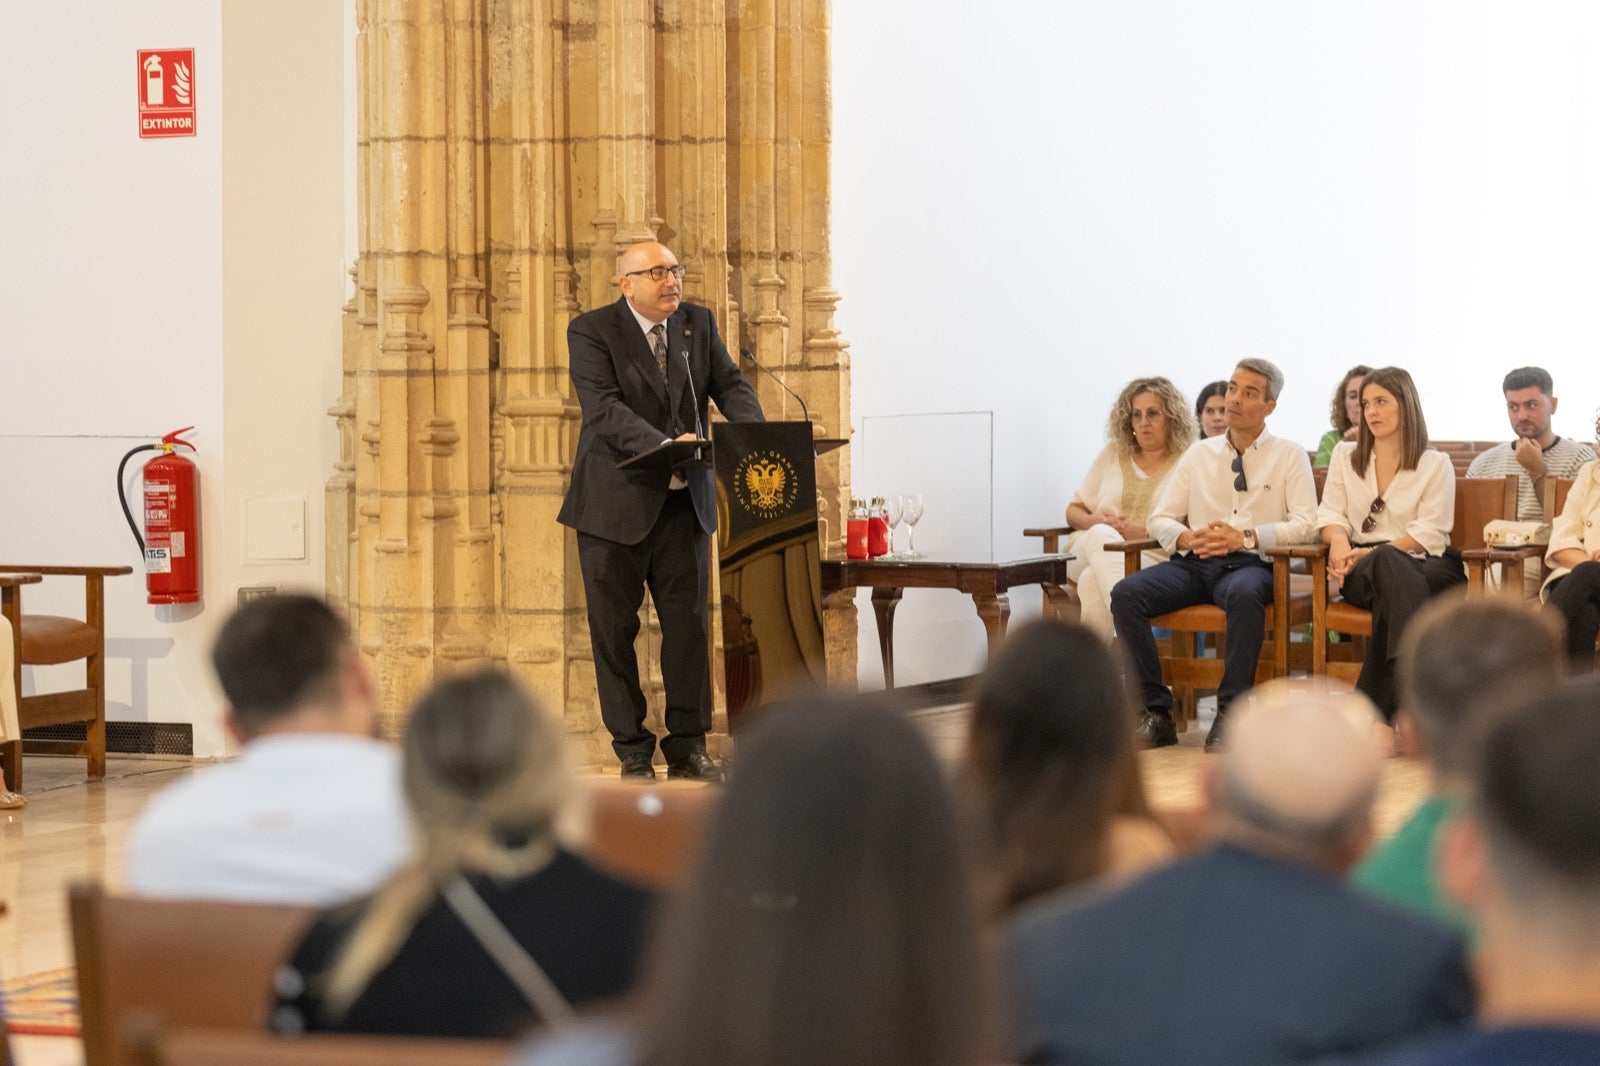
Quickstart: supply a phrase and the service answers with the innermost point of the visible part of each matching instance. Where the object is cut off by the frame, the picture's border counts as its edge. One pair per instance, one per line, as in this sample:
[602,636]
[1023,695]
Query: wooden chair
[650,834]
[1185,669]
[173,962]
[1478,502]
[11,610]
[1060,601]
[151,1046]
[48,640]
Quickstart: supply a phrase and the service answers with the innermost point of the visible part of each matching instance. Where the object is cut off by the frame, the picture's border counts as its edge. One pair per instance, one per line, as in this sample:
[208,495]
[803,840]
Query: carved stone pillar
[507,151]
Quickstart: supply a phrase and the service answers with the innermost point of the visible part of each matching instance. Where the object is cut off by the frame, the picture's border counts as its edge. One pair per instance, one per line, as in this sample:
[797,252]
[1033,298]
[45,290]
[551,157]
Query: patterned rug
[43,1004]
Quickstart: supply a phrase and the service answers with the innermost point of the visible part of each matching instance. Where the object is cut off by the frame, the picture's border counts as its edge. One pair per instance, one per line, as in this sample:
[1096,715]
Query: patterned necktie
[658,344]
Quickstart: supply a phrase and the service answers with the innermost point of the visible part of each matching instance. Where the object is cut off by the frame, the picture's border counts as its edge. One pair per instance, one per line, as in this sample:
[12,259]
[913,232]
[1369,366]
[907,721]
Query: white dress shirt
[298,818]
[1279,501]
[1419,503]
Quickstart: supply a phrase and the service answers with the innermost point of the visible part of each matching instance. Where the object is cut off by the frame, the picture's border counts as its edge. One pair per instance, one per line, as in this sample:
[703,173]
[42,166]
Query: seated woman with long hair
[1148,430]
[1211,409]
[493,927]
[1573,587]
[1387,509]
[829,919]
[1052,767]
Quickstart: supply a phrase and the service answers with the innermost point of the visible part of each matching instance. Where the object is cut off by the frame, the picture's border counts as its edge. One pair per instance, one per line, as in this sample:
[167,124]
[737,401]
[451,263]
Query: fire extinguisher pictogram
[171,540]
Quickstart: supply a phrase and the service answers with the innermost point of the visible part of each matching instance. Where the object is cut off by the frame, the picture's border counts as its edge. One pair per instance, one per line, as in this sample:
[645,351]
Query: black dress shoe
[638,765]
[1214,736]
[695,766]
[1155,731]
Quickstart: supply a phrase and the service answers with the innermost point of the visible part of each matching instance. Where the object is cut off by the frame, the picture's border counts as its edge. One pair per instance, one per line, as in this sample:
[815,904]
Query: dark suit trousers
[1577,597]
[1394,586]
[673,560]
[1240,583]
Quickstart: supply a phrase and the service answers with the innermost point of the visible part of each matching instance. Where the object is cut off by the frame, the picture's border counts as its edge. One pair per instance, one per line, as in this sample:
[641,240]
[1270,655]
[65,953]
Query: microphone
[689,380]
[748,356]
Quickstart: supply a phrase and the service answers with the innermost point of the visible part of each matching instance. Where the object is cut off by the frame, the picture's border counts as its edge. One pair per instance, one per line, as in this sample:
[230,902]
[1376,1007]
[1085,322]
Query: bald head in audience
[1299,774]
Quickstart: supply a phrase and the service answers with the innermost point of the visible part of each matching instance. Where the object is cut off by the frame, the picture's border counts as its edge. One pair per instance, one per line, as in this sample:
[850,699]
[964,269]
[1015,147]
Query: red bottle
[855,546]
[877,529]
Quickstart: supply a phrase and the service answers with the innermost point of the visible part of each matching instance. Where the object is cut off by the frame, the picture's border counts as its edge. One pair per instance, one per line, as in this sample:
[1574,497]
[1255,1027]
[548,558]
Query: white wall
[148,285]
[1059,195]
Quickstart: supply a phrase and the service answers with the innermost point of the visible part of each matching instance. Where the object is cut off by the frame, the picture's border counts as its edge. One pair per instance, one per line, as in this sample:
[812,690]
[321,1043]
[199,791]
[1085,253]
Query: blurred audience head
[1140,398]
[1524,858]
[1455,651]
[1050,759]
[1298,776]
[485,778]
[831,916]
[1345,412]
[287,663]
[1211,409]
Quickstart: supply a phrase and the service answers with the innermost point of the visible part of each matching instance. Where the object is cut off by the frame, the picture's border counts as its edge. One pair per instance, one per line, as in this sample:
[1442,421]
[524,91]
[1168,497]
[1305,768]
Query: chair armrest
[1298,551]
[73,571]
[11,581]
[1052,536]
[1503,555]
[1134,547]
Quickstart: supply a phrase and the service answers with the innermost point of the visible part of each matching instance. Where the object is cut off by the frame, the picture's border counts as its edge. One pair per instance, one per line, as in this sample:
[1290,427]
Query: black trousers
[1394,586]
[673,561]
[1577,597]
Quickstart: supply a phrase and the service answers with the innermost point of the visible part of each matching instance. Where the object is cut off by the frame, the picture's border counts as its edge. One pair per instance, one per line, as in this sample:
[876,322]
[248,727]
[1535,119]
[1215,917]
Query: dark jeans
[673,560]
[1240,583]
[1394,586]
[1577,597]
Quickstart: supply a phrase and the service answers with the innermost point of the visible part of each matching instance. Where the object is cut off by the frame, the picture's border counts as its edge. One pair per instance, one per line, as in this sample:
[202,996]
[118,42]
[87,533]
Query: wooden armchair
[11,610]
[173,962]
[236,1047]
[1185,669]
[47,640]
[1478,502]
[1510,561]
[1060,601]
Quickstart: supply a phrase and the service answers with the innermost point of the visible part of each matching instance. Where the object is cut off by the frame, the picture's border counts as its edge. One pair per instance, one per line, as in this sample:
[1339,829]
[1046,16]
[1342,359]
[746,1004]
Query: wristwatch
[1249,540]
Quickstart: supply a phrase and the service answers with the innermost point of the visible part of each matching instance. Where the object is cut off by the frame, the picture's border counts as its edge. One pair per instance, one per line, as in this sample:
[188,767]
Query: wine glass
[911,509]
[894,511]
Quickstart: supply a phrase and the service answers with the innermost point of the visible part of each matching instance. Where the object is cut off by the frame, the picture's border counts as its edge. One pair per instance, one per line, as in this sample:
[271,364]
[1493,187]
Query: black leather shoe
[1214,737]
[696,766]
[1155,731]
[638,765]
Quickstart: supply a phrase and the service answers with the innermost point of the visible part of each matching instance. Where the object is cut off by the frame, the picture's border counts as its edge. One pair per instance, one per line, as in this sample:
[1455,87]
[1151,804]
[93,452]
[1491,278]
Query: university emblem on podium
[765,484]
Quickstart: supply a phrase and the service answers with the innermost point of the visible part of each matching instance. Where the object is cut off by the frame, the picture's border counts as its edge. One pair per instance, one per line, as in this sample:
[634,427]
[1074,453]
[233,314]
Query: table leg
[884,601]
[994,610]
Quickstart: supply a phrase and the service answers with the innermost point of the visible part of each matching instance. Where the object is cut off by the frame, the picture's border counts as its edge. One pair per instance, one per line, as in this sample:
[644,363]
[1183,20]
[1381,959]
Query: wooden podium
[770,557]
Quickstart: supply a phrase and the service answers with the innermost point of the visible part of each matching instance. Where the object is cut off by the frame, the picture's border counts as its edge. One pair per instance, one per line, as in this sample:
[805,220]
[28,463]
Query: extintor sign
[166,92]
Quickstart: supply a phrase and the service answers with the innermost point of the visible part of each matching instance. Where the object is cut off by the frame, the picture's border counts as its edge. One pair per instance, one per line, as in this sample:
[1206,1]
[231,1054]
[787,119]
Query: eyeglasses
[659,273]
[1239,484]
[1371,521]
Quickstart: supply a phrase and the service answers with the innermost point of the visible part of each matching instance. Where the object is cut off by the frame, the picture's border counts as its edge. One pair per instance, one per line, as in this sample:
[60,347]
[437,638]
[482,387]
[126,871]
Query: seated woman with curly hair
[1149,428]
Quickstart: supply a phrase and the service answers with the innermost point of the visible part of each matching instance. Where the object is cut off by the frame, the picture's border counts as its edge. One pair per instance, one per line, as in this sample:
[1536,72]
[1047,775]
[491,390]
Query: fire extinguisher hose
[123,496]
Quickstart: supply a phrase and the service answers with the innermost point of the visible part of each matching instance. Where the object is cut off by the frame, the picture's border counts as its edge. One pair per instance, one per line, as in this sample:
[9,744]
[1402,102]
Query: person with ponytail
[493,928]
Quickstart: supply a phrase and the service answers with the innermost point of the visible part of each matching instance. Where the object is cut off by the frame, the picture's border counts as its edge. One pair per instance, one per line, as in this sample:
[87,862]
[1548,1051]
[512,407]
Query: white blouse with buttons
[1419,503]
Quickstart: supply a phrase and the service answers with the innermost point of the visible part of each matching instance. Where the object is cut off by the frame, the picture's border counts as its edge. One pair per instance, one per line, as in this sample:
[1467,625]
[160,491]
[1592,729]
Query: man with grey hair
[1272,957]
[1441,702]
[1523,858]
[1229,499]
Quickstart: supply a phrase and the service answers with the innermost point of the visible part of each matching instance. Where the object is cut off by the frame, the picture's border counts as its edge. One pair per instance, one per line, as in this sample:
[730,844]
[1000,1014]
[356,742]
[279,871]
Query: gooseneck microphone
[689,380]
[748,356]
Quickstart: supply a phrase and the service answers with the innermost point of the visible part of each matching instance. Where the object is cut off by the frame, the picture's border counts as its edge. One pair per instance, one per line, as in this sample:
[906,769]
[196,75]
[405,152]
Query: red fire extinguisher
[171,541]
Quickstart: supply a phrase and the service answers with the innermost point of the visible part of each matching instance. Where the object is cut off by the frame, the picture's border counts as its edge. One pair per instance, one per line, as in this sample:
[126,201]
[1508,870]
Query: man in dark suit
[643,369]
[1251,951]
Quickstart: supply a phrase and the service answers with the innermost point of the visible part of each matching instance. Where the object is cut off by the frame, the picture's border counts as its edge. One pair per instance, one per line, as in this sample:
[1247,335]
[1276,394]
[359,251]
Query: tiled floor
[73,829]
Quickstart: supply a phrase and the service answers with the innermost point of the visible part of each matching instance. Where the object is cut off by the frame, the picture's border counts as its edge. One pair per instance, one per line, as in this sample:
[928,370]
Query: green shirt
[1400,870]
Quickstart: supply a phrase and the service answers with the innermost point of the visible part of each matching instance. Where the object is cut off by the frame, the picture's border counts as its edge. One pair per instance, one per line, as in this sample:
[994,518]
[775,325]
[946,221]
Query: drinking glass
[894,511]
[911,508]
